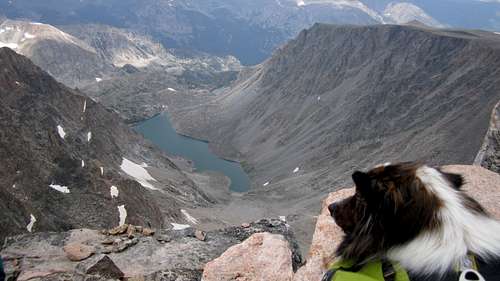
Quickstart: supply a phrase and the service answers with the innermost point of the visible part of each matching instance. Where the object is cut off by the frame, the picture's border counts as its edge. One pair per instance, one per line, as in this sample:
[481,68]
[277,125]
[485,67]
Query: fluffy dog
[419,217]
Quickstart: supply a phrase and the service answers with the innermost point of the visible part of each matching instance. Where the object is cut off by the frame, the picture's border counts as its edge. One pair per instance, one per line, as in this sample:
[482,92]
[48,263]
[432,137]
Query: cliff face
[68,162]
[489,155]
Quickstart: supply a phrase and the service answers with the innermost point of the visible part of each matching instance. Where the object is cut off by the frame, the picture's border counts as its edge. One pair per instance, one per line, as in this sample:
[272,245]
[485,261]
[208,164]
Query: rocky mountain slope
[68,162]
[340,98]
[65,57]
[84,55]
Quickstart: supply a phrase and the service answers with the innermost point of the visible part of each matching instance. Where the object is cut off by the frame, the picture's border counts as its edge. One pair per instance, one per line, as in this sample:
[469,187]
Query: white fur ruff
[461,231]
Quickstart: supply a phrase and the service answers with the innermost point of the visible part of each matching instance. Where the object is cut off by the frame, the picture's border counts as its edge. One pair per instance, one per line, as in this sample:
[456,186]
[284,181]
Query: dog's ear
[455,180]
[362,182]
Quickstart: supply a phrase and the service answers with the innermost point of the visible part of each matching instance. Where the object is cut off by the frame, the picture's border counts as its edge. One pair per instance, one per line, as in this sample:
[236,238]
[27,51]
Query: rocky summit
[141,254]
[67,162]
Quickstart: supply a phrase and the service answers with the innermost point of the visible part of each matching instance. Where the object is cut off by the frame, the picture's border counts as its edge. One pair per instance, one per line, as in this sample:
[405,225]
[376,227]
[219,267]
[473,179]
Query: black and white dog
[417,216]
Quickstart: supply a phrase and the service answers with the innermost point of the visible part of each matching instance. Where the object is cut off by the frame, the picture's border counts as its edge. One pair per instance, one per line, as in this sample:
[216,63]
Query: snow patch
[296,170]
[283,218]
[102,171]
[29,227]
[89,136]
[97,79]
[172,89]
[83,164]
[17,83]
[28,35]
[60,188]
[177,226]
[114,191]
[319,98]
[138,173]
[12,46]
[61,131]
[266,184]
[123,214]
[190,218]
[497,33]
[84,106]
[301,3]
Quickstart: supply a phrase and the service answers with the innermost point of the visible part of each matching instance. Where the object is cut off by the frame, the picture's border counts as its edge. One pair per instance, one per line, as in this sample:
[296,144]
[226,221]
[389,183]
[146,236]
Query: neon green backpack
[379,270]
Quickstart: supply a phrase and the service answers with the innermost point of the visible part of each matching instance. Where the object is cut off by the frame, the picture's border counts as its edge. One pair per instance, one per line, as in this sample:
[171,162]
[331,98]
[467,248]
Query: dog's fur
[417,216]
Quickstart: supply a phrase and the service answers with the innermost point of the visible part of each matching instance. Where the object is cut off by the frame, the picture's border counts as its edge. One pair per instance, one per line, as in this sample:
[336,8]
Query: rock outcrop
[263,256]
[489,155]
[167,255]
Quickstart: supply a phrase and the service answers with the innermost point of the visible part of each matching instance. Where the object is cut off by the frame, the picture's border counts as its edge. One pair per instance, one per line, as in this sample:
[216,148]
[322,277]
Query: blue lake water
[159,130]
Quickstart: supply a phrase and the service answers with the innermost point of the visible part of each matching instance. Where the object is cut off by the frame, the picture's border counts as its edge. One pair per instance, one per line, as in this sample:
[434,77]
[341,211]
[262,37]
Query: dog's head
[391,206]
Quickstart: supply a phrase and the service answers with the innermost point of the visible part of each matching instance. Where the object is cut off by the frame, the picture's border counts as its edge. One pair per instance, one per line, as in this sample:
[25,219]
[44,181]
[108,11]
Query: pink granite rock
[326,237]
[482,184]
[77,251]
[263,256]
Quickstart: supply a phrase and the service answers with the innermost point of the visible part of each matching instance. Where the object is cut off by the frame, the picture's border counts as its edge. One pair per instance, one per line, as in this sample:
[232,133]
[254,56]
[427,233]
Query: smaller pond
[159,130]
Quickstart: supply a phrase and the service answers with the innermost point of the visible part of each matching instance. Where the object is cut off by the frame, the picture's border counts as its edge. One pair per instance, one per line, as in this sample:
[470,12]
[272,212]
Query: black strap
[329,275]
[388,270]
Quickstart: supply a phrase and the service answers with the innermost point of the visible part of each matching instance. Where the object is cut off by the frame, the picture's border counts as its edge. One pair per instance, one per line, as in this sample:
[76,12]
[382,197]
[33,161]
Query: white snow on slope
[341,4]
[97,79]
[283,218]
[402,13]
[114,191]
[84,106]
[497,33]
[172,89]
[123,214]
[83,164]
[177,226]
[190,218]
[28,35]
[12,46]
[89,136]
[29,227]
[137,172]
[60,188]
[61,132]
[296,170]
[266,184]
[102,171]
